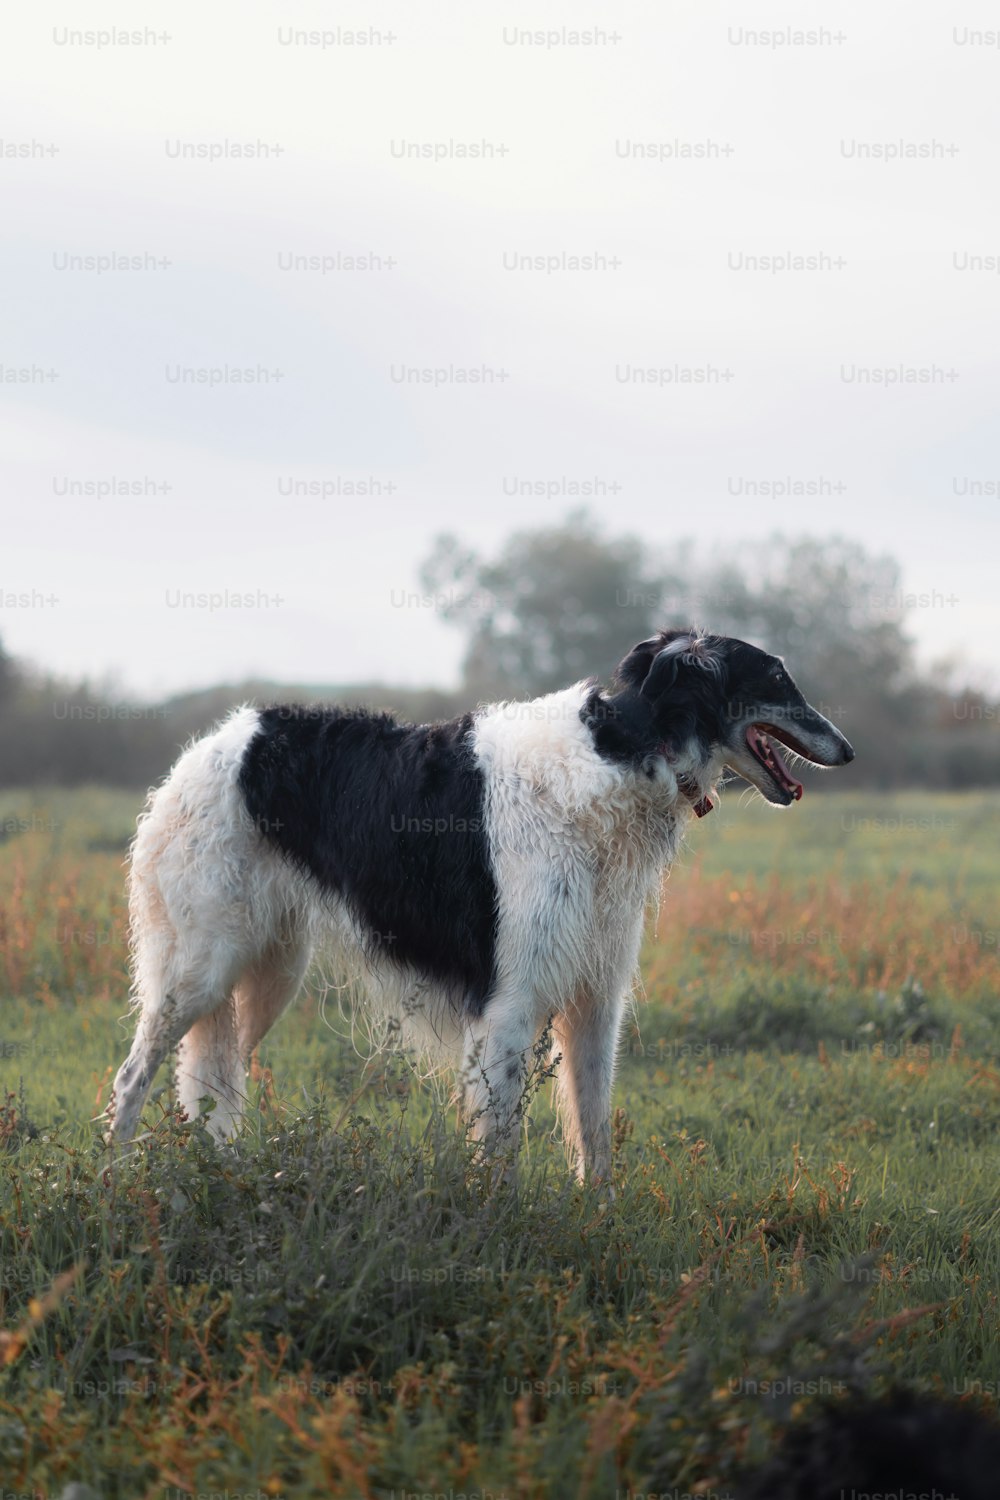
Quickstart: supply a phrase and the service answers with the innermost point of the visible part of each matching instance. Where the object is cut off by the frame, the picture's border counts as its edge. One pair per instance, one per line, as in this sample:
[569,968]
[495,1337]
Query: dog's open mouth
[766,752]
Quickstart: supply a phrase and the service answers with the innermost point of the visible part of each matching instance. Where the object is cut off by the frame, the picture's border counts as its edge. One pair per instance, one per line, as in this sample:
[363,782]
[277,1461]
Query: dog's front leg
[586,1034]
[498,1052]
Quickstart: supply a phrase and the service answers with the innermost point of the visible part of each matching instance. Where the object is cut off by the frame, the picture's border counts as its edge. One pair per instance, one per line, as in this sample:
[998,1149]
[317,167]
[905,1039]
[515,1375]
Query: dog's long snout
[805,730]
[834,748]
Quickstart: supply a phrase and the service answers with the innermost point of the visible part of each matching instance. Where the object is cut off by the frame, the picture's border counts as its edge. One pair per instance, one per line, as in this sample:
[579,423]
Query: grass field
[806,1154]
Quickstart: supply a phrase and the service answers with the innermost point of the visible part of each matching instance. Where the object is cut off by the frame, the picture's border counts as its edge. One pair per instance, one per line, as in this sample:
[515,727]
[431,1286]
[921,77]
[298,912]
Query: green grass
[342,1303]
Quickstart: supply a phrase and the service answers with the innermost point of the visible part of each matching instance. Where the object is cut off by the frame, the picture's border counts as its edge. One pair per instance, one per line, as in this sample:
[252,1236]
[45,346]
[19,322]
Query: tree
[8,676]
[815,599]
[556,605]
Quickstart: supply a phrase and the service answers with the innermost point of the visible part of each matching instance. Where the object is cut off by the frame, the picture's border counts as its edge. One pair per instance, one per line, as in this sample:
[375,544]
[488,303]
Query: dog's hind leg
[163,1016]
[202,893]
[185,1005]
[188,951]
[267,988]
[209,1065]
[214,1053]
[154,1039]
[215,1021]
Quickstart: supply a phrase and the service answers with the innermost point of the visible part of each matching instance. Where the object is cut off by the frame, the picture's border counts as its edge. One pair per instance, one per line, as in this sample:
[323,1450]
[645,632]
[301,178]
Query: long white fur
[223,928]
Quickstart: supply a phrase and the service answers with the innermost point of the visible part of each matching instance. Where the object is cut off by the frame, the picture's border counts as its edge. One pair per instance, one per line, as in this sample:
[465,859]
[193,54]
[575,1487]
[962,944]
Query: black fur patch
[656,706]
[389,817]
[621,726]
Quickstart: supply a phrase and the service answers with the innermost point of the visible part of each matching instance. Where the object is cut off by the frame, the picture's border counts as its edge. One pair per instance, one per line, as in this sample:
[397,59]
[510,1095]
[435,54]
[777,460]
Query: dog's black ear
[688,665]
[633,669]
[662,674]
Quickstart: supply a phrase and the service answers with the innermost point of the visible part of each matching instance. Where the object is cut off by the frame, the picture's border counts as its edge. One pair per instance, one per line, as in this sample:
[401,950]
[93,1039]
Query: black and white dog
[486,874]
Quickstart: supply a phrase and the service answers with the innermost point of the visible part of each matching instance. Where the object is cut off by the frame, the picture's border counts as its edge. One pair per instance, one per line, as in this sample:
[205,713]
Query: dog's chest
[614,844]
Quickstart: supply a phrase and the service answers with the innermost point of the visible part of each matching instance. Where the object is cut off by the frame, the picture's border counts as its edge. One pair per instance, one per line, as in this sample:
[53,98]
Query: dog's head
[734,703]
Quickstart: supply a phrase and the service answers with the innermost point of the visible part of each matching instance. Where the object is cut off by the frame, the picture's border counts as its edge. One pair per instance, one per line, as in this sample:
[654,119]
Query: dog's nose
[847,753]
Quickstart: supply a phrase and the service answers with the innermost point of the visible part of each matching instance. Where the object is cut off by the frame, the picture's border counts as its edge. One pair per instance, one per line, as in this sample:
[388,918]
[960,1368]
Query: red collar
[691,790]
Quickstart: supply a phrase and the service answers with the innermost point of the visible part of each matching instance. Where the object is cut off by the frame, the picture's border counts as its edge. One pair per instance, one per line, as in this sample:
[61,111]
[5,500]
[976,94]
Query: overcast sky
[865,137]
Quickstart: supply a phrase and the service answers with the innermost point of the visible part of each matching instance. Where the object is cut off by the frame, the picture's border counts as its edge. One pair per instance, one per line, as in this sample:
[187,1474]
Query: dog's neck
[622,726]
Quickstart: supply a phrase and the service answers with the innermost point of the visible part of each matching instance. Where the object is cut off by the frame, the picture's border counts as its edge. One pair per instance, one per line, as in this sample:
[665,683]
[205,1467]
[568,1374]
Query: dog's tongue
[795,787]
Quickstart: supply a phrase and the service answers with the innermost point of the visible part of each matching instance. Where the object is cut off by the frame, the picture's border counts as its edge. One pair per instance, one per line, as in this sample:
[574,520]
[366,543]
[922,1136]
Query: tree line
[558,603]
